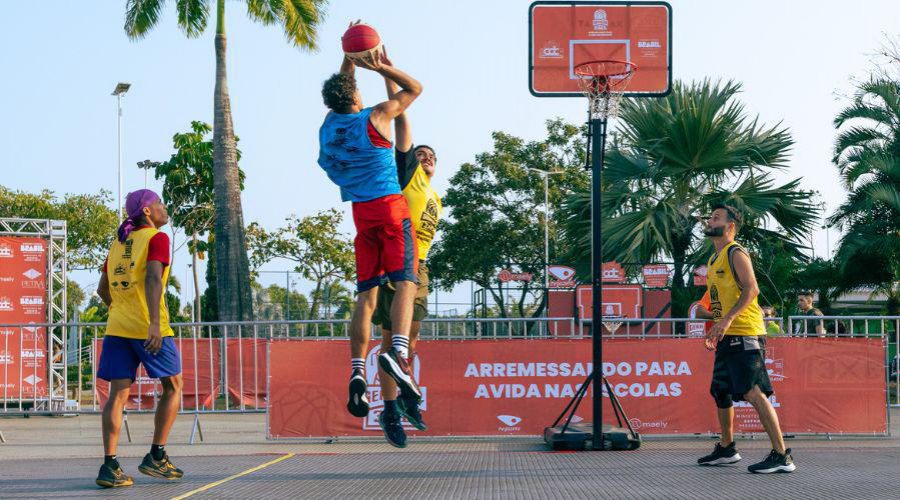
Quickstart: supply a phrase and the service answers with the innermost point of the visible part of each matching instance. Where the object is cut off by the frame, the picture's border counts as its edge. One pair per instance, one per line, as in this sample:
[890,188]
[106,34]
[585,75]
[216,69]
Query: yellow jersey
[126,268]
[424,209]
[725,292]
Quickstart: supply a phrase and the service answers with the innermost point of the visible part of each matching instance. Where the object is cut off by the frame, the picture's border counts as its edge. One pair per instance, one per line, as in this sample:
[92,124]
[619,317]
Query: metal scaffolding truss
[54,232]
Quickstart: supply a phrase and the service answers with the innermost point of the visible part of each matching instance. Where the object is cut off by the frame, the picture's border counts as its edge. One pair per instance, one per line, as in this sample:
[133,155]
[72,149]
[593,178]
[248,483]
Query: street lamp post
[119,91]
[546,176]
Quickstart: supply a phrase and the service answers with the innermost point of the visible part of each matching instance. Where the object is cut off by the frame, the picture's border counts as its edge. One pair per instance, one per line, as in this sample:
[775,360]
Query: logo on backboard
[601,23]
[551,50]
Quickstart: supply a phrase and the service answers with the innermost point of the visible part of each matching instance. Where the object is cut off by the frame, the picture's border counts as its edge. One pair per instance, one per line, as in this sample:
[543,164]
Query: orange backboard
[562,35]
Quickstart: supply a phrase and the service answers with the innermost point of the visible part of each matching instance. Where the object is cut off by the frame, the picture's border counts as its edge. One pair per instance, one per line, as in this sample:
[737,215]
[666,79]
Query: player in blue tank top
[356,152]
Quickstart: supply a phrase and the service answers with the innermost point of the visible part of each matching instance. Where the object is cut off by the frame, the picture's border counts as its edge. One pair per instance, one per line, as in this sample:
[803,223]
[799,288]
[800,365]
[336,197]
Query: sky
[795,60]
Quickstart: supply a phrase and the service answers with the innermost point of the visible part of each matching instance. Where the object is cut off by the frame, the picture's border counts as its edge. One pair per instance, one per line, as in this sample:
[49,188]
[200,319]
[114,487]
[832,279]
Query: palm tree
[300,20]
[867,155]
[669,160]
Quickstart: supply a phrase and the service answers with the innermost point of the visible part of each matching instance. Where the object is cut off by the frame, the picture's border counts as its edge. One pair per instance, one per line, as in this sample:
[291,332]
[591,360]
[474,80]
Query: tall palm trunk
[197,314]
[232,265]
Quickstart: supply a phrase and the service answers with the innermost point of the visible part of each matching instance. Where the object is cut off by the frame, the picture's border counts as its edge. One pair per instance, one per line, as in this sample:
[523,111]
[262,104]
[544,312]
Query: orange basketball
[360,38]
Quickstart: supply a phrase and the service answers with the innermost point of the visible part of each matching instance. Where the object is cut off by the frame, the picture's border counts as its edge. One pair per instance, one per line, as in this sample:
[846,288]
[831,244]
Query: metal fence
[224,363]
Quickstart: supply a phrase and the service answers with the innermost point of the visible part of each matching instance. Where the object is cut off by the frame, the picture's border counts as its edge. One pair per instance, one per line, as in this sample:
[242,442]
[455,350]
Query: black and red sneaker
[397,367]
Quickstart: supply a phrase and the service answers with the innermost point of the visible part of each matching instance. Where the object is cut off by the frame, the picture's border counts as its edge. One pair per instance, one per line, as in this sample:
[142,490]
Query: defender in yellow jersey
[738,337]
[415,167]
[138,333]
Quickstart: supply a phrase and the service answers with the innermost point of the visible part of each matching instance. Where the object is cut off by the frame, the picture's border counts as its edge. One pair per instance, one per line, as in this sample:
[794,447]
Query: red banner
[518,387]
[656,275]
[247,372]
[201,371]
[23,301]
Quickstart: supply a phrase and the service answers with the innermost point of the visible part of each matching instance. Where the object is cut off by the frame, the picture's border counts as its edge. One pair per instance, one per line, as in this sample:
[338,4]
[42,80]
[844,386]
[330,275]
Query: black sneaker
[721,455]
[160,468]
[358,404]
[775,462]
[409,408]
[393,429]
[113,478]
[397,367]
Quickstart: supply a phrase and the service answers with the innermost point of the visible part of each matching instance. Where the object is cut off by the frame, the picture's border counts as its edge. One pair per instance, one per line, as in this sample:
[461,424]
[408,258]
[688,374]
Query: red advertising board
[656,275]
[23,301]
[518,387]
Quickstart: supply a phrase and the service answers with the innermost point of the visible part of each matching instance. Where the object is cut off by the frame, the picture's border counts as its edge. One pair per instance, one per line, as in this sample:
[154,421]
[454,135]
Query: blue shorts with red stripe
[385,242]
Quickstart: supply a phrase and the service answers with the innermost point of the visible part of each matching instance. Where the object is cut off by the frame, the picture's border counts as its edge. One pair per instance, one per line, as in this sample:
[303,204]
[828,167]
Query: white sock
[358,364]
[401,343]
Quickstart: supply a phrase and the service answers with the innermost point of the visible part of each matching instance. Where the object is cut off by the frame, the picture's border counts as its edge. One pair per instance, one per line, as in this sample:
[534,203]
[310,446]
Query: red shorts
[385,242]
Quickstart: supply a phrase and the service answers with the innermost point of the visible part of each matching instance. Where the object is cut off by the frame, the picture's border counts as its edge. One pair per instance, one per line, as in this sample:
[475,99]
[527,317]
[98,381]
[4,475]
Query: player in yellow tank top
[132,285]
[738,337]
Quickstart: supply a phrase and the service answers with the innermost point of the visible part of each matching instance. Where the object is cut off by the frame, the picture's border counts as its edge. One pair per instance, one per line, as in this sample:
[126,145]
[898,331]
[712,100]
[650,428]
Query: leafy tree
[867,155]
[496,215]
[321,253]
[300,21]
[188,191]
[670,160]
[274,303]
[90,223]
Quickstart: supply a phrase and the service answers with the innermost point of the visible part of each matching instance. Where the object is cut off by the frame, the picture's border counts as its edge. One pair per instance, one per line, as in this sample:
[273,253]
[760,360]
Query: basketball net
[604,83]
[612,324]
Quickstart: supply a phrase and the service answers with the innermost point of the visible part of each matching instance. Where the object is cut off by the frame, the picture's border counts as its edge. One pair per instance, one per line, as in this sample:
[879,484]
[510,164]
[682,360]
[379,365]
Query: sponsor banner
[700,276]
[561,277]
[201,371]
[612,272]
[518,387]
[23,296]
[505,275]
[656,275]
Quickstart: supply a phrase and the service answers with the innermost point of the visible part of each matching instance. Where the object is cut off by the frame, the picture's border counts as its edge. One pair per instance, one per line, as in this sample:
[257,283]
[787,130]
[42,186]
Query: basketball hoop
[604,82]
[612,324]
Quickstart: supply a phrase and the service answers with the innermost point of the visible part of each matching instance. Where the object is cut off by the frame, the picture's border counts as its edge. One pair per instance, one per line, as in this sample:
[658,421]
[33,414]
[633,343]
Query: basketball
[359,40]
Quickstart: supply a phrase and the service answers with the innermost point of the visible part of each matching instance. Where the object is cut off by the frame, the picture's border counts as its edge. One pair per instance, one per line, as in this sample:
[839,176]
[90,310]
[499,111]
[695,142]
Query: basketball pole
[598,148]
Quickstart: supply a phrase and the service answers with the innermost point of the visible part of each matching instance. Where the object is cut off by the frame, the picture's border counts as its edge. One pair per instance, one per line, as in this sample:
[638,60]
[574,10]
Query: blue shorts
[120,358]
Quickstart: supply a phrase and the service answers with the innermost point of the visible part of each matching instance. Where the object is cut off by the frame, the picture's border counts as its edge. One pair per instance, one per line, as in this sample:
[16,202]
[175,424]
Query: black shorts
[740,364]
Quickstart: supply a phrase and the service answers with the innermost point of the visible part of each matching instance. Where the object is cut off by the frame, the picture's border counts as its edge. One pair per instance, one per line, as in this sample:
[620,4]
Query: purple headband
[134,207]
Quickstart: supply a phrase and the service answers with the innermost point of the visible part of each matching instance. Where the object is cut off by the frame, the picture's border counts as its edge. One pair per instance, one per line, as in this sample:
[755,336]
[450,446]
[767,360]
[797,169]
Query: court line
[229,478]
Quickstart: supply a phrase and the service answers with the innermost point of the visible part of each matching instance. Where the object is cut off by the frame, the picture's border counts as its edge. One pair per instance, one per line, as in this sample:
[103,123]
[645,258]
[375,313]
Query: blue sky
[62,59]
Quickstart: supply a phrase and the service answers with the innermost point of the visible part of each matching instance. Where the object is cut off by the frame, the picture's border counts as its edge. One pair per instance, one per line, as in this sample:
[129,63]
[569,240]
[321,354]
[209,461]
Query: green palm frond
[193,16]
[300,19]
[141,16]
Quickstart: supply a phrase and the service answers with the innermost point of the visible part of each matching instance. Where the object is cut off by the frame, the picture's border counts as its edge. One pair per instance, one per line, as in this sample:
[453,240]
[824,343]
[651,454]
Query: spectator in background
[773,327]
[807,308]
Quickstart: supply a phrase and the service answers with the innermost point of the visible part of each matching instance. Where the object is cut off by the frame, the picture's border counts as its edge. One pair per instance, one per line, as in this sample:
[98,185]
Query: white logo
[600,21]
[32,379]
[551,50]
[32,354]
[6,359]
[32,248]
[7,331]
[5,304]
[32,301]
[6,251]
[561,272]
[32,274]
[509,419]
[649,44]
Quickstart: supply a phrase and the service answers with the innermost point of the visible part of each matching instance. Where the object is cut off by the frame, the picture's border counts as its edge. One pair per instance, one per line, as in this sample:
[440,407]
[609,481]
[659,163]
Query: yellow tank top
[126,268]
[725,291]
[424,209]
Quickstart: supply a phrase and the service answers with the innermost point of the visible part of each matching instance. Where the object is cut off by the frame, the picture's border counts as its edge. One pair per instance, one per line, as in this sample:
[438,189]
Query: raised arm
[403,141]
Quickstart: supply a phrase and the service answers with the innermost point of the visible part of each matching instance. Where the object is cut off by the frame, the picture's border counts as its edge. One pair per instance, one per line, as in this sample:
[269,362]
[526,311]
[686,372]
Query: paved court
[234,463]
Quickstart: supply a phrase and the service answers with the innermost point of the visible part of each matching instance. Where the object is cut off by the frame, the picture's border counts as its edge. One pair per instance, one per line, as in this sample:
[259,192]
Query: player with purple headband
[138,333]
